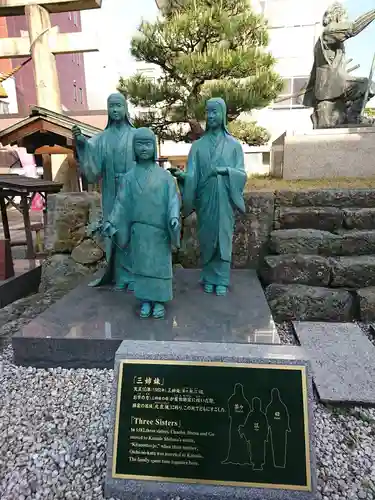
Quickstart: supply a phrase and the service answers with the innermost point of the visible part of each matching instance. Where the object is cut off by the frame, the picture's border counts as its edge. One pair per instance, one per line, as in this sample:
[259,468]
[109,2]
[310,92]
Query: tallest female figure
[213,185]
[107,157]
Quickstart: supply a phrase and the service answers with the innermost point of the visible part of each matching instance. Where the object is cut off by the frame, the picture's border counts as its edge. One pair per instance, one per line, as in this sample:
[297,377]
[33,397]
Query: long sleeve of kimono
[119,216]
[237,178]
[173,211]
[190,182]
[90,158]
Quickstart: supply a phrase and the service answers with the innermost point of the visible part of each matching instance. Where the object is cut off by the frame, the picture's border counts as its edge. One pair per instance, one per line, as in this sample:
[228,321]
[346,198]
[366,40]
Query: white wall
[10,87]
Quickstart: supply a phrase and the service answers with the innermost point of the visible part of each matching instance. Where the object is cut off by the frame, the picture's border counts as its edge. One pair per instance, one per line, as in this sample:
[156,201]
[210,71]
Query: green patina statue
[213,185]
[108,157]
[146,216]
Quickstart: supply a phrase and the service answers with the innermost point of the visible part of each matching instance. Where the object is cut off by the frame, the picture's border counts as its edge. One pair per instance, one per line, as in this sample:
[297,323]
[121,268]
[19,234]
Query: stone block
[359,218]
[309,303]
[250,236]
[323,218]
[304,241]
[131,472]
[356,243]
[87,252]
[61,271]
[367,303]
[329,153]
[339,198]
[68,216]
[342,359]
[311,270]
[353,272]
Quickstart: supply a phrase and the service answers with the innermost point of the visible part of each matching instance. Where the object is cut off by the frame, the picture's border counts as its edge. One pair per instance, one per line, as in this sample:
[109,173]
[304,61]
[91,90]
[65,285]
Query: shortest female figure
[146,215]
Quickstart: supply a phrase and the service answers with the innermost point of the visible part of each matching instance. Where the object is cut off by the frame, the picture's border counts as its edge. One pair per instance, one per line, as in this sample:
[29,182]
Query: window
[75,92]
[70,16]
[292,86]
[80,95]
[262,5]
[78,59]
[75,18]
[4,108]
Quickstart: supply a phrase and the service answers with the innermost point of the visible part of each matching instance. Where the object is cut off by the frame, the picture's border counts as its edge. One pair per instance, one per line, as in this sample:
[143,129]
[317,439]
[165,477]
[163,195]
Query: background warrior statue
[337,97]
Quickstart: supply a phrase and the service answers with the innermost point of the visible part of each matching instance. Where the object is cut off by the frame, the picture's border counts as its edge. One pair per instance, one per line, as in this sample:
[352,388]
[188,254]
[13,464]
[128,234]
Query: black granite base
[25,281]
[86,327]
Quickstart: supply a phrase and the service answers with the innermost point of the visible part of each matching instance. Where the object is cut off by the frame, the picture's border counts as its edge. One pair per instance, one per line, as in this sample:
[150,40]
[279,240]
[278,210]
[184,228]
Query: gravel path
[54,427]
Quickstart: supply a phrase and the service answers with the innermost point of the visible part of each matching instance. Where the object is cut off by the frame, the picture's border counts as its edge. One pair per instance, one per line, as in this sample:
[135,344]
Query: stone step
[324,218]
[313,270]
[339,198]
[317,242]
[309,303]
[353,272]
[366,298]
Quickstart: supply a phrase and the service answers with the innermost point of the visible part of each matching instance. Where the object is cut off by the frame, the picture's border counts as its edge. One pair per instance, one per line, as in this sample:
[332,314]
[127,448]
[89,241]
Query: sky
[362,47]
[117,20]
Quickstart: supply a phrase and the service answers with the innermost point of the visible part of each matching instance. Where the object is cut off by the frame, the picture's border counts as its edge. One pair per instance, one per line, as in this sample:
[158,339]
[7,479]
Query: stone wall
[321,256]
[314,250]
[72,254]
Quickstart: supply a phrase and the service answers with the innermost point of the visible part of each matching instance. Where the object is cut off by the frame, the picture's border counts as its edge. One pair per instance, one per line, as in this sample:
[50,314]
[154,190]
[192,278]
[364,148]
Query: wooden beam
[59,43]
[53,150]
[45,71]
[67,43]
[14,47]
[17,7]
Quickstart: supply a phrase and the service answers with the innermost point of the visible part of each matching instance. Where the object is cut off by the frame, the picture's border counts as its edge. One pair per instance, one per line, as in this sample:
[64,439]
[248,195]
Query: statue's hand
[175,223]
[108,229]
[176,172]
[222,170]
[77,134]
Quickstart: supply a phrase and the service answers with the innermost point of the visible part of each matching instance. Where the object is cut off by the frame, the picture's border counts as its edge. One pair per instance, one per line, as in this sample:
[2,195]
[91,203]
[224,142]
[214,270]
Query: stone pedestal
[325,153]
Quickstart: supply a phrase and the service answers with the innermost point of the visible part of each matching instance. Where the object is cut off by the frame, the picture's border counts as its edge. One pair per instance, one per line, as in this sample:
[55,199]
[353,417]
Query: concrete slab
[342,360]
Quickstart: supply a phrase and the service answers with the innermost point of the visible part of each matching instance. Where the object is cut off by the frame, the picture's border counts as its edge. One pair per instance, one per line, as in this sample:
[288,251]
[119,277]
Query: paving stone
[342,359]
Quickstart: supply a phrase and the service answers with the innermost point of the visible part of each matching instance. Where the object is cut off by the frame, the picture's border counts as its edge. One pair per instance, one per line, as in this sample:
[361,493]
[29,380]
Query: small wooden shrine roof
[44,128]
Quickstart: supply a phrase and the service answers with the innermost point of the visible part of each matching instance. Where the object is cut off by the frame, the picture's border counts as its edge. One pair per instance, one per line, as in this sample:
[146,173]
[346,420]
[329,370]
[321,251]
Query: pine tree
[204,49]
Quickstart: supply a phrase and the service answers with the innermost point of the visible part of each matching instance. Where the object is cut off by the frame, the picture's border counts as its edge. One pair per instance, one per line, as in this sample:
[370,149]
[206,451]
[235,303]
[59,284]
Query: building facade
[70,67]
[294,28]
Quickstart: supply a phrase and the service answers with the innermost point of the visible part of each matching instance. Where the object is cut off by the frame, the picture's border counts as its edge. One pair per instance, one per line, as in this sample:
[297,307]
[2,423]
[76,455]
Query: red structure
[70,67]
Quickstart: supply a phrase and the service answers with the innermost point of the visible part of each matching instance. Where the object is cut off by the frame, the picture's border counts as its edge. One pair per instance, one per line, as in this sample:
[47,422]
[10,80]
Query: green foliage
[249,132]
[203,49]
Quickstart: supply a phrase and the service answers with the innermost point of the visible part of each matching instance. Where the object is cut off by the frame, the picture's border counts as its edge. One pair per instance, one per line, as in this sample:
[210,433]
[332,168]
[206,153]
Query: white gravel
[54,427]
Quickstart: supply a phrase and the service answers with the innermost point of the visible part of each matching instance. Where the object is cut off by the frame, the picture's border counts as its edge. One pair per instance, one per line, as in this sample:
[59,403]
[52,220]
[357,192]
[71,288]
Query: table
[12,186]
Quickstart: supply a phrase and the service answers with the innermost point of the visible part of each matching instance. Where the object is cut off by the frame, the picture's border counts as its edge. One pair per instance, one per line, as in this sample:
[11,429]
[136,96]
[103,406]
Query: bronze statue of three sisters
[141,203]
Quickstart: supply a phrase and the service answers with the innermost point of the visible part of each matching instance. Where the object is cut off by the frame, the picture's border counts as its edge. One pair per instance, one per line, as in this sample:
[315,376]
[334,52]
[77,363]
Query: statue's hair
[334,13]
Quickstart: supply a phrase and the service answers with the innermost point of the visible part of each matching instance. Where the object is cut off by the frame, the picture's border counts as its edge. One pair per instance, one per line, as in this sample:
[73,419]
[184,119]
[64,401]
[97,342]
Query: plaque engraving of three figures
[141,203]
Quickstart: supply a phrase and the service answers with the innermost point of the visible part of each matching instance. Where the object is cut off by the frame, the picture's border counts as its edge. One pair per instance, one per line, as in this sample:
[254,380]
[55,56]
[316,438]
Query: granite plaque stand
[147,446]
[86,327]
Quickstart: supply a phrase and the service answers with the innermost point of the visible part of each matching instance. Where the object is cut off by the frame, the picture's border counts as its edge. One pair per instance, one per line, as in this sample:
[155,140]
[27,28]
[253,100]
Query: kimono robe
[145,206]
[214,198]
[108,157]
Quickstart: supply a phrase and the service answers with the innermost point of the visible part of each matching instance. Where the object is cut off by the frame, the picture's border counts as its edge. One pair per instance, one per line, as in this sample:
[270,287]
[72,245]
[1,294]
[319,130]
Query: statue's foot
[208,288]
[119,287]
[159,311]
[145,310]
[95,283]
[221,290]
[131,287]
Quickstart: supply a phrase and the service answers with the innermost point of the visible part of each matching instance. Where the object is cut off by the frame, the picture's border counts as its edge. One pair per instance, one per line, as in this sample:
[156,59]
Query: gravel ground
[54,426]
